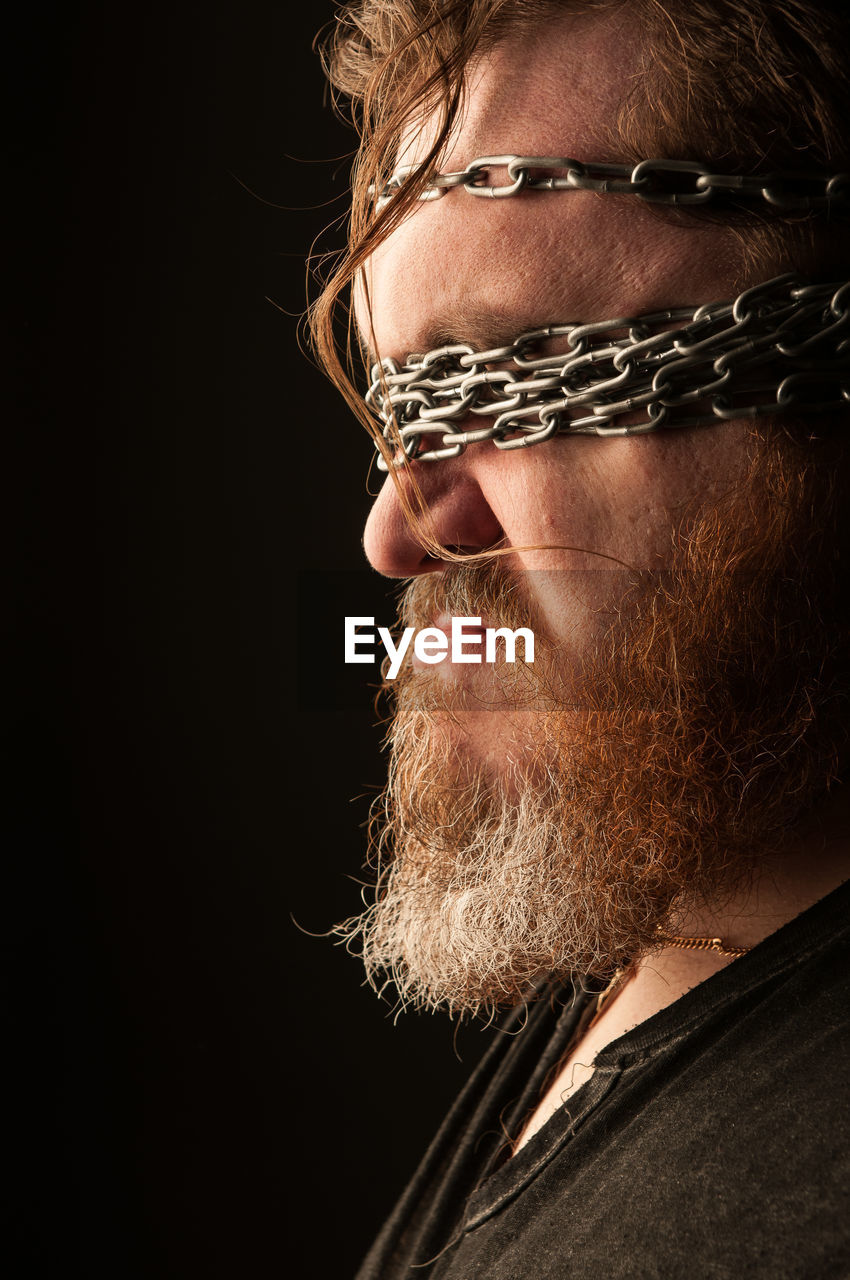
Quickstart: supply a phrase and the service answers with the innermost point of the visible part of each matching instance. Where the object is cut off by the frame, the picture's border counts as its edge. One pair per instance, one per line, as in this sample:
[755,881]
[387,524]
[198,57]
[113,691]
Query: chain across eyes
[781,346]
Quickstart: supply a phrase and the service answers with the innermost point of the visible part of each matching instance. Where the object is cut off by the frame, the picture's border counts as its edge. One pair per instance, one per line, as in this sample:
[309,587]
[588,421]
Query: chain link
[781,346]
[668,182]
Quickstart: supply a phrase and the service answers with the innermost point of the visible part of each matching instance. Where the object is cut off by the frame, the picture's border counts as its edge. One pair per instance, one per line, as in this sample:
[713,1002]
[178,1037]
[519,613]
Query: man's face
[466,269]
[486,270]
[541,806]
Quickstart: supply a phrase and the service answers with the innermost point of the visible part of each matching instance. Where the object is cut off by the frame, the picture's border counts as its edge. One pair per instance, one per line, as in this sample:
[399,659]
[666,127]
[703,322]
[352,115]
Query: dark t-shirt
[710,1141]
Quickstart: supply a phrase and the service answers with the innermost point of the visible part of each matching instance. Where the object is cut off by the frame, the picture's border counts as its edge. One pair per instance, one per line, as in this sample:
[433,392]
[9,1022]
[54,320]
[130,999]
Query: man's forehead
[559,85]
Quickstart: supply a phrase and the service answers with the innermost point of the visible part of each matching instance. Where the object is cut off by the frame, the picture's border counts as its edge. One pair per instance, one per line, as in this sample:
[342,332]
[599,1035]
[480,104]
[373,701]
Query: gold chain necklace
[717,945]
[701,944]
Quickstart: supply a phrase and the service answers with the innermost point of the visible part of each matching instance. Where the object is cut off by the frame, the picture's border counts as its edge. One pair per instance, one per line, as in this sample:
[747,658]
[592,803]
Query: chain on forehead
[781,346]
[668,182]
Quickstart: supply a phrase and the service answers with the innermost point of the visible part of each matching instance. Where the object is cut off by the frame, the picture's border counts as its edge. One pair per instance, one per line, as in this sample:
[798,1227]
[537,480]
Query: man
[636,842]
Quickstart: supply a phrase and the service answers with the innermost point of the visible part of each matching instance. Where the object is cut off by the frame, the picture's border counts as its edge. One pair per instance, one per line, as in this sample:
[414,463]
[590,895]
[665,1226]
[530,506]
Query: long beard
[654,773]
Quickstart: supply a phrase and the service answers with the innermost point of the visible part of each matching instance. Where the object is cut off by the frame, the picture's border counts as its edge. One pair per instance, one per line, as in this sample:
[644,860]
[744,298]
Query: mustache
[497,594]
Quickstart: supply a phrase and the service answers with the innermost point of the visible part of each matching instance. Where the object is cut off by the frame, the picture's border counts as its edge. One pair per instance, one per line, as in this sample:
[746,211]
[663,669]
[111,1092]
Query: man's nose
[459,516]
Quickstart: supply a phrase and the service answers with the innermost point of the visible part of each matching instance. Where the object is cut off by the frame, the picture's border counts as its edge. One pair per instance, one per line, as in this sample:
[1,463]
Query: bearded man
[617,232]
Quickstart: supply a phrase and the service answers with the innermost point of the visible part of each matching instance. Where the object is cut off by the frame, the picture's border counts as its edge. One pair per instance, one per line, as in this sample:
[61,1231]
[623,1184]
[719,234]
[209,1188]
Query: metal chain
[717,945]
[668,182]
[781,346]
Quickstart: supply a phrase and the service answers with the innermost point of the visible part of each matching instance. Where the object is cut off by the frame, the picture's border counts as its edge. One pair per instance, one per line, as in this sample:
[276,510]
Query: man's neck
[814,863]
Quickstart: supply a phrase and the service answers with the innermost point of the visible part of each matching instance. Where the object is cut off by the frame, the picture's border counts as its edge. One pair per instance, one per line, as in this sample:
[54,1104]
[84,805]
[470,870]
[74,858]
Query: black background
[203,1089]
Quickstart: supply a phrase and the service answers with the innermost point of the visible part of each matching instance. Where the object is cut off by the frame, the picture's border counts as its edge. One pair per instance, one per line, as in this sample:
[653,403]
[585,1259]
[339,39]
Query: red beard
[658,771]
